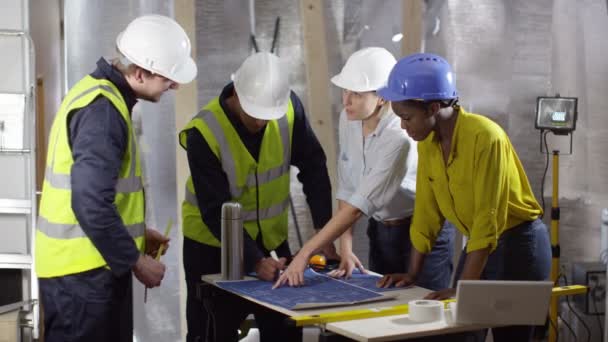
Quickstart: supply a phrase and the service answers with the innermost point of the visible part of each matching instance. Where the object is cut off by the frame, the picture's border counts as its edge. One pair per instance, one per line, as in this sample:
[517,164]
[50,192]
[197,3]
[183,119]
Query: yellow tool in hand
[159,253]
[162,247]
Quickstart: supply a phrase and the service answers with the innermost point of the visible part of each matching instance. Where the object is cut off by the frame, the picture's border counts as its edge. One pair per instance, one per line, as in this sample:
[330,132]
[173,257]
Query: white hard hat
[365,70]
[262,85]
[159,45]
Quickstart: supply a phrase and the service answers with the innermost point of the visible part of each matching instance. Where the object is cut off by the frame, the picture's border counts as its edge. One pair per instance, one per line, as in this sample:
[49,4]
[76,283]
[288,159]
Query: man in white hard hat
[240,148]
[91,234]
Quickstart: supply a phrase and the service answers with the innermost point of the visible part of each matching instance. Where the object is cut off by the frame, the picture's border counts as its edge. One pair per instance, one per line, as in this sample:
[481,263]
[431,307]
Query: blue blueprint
[368,281]
[319,290]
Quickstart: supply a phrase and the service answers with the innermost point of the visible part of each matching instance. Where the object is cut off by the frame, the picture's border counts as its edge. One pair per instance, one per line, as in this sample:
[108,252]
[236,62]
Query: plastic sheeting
[91,28]
[504,53]
[507,53]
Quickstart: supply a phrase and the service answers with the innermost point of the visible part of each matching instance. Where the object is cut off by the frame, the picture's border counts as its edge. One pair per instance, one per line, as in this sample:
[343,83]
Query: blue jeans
[389,252]
[523,253]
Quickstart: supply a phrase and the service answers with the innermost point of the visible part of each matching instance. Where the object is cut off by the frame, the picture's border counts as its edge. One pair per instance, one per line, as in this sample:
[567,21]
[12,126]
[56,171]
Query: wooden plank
[186,105]
[186,102]
[317,79]
[412,26]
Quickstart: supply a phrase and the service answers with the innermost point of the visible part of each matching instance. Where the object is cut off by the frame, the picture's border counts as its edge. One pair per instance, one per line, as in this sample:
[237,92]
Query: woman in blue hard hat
[469,174]
[376,178]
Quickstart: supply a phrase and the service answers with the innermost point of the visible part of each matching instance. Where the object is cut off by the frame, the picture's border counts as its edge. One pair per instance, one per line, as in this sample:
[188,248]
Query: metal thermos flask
[232,242]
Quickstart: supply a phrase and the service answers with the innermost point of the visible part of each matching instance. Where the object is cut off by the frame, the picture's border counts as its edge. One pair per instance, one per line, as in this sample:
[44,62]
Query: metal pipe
[232,242]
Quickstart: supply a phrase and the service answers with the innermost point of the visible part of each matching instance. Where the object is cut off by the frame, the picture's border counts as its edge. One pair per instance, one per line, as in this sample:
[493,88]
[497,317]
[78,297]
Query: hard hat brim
[185,74]
[262,113]
[339,82]
[390,95]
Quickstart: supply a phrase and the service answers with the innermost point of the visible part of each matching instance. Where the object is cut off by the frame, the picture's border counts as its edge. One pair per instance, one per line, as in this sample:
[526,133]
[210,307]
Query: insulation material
[505,54]
[223,43]
[89,35]
[580,70]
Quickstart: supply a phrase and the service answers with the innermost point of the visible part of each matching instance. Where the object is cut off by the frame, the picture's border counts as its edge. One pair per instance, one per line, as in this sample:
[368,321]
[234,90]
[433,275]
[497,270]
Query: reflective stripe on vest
[228,162]
[72,231]
[272,216]
[248,215]
[62,247]
[124,185]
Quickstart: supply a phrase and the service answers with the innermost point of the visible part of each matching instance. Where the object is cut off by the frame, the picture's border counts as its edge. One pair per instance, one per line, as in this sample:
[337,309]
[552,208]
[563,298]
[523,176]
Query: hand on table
[348,263]
[397,279]
[441,294]
[268,268]
[294,274]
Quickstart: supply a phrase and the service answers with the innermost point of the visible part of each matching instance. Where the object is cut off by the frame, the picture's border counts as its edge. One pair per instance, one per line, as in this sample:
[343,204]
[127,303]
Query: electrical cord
[542,183]
[597,315]
[568,326]
[553,325]
[563,276]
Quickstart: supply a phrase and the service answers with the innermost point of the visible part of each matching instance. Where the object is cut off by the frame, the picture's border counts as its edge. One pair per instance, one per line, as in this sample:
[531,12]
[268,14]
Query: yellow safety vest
[262,187]
[62,248]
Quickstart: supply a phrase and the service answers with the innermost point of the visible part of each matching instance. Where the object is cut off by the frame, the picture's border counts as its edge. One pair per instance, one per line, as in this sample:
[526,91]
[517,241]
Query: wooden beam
[413,11]
[186,105]
[317,79]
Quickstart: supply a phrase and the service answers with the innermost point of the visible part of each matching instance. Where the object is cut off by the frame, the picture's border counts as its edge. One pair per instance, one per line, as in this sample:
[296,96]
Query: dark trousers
[89,306]
[215,315]
[522,253]
[390,247]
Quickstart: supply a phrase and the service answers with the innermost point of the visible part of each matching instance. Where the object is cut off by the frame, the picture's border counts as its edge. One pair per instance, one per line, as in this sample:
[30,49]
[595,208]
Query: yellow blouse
[483,190]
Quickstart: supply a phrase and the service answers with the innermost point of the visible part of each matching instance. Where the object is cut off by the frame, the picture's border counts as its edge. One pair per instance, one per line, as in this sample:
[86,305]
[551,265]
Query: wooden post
[412,26]
[186,105]
[317,79]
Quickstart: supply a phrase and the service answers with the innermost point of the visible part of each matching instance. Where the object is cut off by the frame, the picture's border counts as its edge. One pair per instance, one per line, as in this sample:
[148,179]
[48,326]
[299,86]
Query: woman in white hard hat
[91,228]
[376,178]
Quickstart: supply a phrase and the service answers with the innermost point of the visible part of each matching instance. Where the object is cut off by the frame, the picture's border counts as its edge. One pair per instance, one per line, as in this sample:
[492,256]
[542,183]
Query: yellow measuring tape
[401,309]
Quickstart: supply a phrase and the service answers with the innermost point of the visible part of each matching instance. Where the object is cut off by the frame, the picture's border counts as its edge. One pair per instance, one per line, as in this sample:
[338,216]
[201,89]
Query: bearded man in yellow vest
[91,234]
[240,148]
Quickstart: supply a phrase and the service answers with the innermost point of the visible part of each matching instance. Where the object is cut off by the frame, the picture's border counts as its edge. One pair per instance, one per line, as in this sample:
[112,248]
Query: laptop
[502,302]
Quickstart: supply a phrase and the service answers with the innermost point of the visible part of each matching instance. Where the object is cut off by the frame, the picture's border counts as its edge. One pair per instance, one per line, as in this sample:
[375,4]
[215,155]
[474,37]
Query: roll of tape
[450,313]
[423,311]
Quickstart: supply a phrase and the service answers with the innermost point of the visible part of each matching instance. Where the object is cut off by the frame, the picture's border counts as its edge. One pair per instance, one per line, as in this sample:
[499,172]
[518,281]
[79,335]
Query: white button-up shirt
[377,173]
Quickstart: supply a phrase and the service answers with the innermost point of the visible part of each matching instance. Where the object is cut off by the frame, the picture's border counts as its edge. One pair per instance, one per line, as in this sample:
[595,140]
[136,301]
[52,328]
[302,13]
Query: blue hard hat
[421,76]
